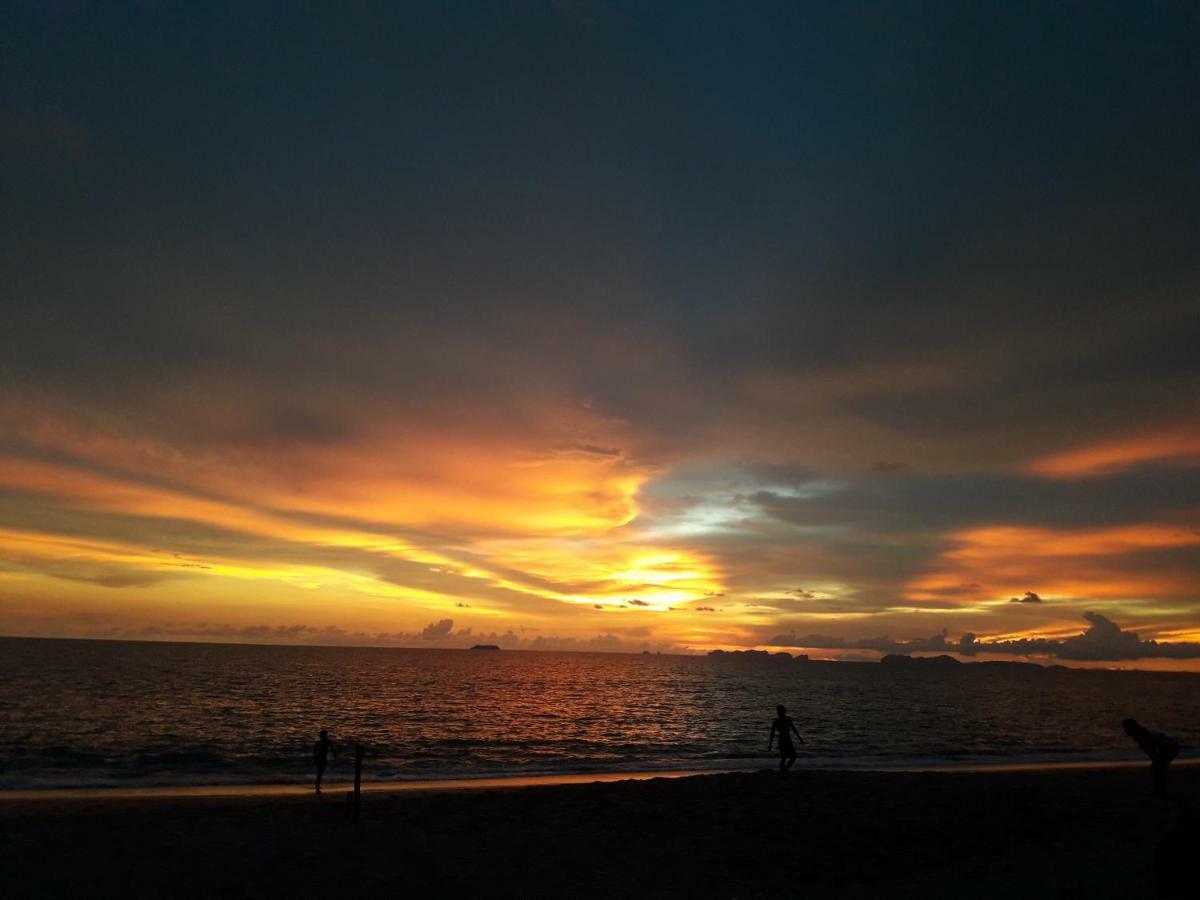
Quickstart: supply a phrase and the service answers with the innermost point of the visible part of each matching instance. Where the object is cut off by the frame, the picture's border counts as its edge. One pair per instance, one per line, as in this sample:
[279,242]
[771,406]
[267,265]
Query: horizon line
[916,655]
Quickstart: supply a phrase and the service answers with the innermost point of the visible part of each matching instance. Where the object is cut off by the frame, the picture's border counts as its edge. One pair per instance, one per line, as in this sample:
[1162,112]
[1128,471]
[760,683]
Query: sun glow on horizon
[402,533]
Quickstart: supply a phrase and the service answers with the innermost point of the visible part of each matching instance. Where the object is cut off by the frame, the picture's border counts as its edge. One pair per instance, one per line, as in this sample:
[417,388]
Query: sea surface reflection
[83,713]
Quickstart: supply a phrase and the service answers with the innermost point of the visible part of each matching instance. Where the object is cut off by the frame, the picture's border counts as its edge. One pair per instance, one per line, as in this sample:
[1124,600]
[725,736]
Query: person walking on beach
[321,751]
[785,729]
[1161,749]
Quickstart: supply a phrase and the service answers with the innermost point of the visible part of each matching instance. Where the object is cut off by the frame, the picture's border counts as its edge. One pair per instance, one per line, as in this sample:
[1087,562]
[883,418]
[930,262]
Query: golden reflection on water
[86,713]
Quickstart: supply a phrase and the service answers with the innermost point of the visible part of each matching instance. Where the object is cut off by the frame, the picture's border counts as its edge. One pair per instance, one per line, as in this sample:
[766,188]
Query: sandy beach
[1050,833]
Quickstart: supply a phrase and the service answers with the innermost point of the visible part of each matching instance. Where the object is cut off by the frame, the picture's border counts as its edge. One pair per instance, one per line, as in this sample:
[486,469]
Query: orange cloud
[381,525]
[1083,563]
[387,473]
[1113,456]
[472,513]
[609,571]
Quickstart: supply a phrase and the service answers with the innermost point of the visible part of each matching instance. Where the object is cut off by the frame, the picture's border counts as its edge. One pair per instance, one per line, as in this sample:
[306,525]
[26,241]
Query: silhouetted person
[321,750]
[785,729]
[1159,747]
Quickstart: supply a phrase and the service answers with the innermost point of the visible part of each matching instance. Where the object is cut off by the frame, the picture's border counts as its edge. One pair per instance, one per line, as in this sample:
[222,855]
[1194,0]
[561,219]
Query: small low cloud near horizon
[1030,597]
[540,324]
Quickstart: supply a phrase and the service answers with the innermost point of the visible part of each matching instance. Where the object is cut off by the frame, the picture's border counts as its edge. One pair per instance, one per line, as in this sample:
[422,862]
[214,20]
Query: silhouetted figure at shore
[785,729]
[321,750]
[1159,747]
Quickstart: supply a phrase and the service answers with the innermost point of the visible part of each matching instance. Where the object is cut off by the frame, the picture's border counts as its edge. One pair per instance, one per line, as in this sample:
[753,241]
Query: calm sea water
[95,713]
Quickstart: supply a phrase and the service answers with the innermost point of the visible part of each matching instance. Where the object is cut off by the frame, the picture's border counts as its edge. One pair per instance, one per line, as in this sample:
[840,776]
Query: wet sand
[1069,833]
[296,790]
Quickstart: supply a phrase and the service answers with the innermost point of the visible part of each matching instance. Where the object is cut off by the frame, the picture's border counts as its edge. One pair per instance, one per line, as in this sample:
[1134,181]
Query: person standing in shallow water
[321,751]
[1159,747]
[785,729]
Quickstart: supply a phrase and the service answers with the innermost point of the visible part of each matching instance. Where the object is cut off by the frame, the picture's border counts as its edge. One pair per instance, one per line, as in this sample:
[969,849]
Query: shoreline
[514,782]
[1059,834]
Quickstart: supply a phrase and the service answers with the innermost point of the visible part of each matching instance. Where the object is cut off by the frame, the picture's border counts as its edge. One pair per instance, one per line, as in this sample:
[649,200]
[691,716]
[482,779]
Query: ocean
[113,713]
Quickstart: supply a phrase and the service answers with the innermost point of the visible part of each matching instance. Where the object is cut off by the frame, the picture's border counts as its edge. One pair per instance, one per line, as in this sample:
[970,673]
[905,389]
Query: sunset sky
[830,328]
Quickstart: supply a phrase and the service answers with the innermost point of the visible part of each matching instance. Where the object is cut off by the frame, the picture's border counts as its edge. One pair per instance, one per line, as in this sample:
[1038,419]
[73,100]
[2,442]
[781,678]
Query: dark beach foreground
[1050,833]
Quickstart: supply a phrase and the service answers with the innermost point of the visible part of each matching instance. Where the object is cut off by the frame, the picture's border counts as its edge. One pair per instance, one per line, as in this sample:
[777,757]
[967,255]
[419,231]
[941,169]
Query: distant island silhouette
[759,654]
[486,647]
[891,659]
[901,659]
[945,660]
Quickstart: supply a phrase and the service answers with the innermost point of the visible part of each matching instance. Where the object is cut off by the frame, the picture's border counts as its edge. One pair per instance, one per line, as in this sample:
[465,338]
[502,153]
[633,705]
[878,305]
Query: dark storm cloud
[888,529]
[936,643]
[1103,640]
[869,538]
[1029,597]
[696,205]
[945,501]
